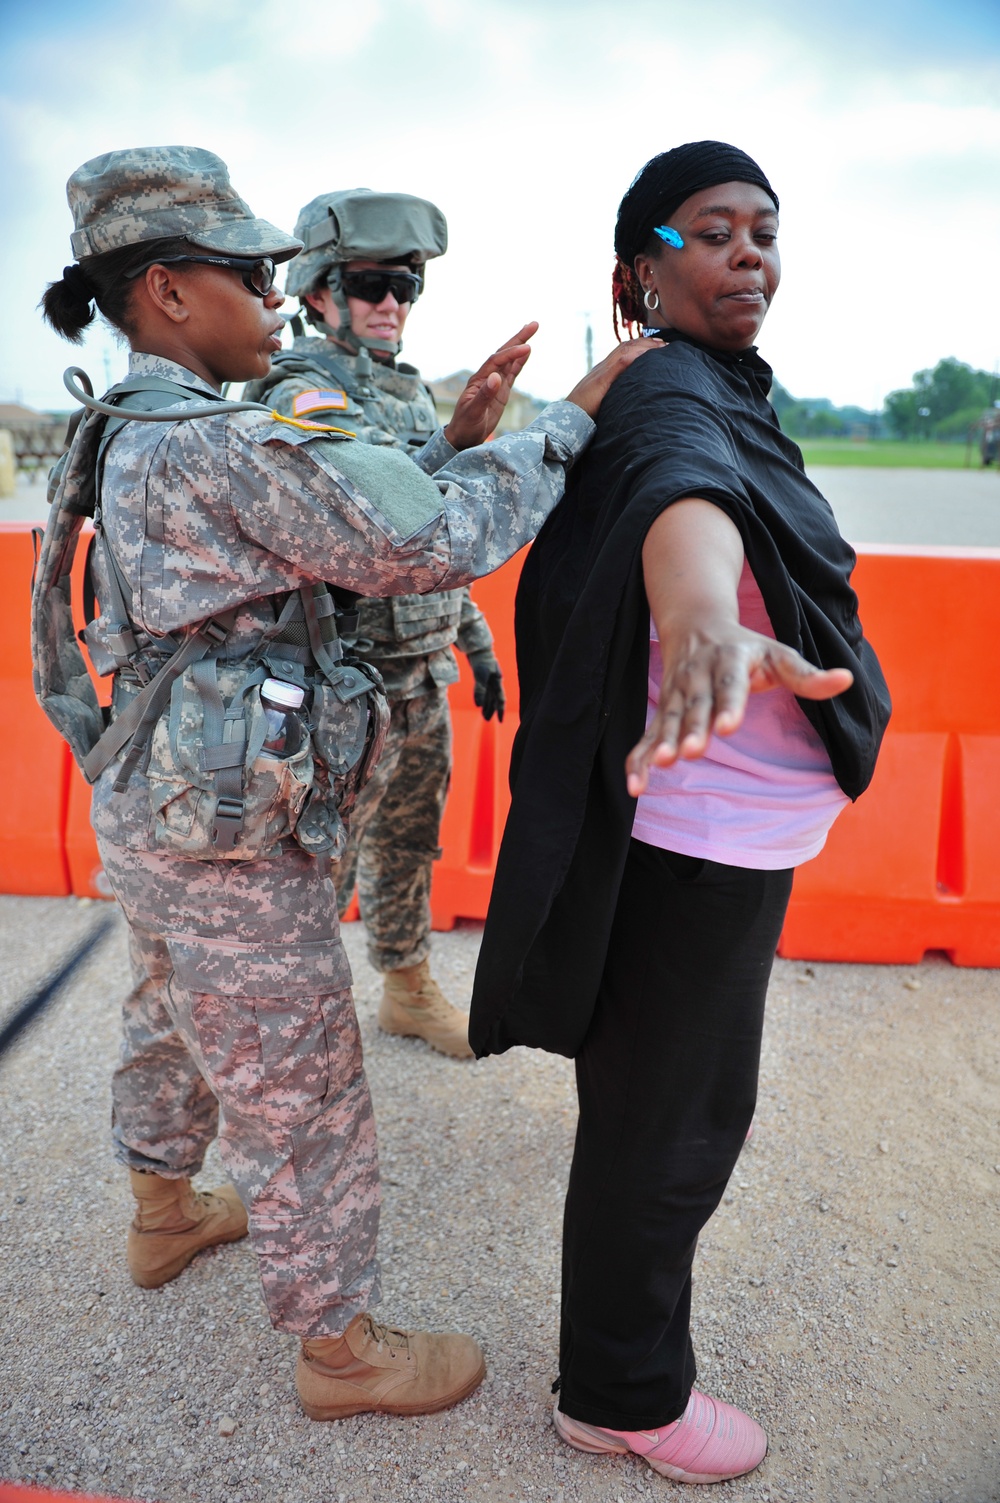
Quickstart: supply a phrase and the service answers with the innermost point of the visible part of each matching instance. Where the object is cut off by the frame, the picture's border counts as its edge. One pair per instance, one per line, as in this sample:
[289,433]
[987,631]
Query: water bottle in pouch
[284,728]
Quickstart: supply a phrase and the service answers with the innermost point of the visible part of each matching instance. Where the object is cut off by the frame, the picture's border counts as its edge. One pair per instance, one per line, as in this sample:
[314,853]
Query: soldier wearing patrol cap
[216,525]
[357,280]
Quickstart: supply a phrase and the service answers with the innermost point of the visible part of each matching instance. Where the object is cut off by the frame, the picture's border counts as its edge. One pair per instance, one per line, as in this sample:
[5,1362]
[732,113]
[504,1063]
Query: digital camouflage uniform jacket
[226,512]
[412,634]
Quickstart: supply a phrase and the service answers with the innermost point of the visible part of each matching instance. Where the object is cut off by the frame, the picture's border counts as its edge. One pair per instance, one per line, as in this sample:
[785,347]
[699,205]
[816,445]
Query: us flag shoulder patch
[319,401]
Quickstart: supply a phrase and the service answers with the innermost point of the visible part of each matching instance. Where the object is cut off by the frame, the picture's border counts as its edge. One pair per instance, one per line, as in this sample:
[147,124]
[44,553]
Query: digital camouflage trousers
[395,829]
[241,1018]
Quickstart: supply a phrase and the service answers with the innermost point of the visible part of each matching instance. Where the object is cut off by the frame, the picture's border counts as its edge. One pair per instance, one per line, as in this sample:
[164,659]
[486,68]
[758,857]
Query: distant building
[38,437]
[521,409]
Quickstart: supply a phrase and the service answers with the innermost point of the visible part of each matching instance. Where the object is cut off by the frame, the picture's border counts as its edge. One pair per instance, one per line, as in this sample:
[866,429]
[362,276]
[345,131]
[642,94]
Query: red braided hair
[626,299]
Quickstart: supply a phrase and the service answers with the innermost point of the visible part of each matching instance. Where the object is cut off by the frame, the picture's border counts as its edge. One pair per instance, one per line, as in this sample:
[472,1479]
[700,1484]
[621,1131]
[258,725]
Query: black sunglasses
[257,275]
[372,286]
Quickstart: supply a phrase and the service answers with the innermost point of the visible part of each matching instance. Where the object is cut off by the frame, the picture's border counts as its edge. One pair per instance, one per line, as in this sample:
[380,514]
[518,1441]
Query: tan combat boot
[375,1368]
[413,1004]
[172,1223]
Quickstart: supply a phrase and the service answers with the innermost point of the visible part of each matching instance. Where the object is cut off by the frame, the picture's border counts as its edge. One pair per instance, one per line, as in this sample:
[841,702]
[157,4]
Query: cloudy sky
[878,122]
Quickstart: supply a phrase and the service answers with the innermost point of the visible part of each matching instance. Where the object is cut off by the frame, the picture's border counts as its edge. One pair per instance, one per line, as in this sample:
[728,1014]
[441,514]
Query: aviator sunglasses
[372,286]
[257,275]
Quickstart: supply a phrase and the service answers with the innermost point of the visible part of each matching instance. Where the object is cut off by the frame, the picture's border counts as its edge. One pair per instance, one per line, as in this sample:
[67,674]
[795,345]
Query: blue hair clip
[670,236]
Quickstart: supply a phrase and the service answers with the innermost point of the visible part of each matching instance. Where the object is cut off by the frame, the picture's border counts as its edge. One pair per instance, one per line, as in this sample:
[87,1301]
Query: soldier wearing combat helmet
[359,276]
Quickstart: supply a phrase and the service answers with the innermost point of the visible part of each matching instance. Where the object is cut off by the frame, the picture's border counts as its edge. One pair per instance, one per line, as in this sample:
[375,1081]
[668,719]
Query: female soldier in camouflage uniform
[241,1013]
[359,276]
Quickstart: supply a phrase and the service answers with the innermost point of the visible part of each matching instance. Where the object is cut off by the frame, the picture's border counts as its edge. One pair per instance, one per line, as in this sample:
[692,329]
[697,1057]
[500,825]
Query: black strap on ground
[33,1005]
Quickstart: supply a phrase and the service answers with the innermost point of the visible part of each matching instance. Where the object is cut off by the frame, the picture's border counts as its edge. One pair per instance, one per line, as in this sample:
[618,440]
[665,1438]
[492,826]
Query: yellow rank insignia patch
[319,401]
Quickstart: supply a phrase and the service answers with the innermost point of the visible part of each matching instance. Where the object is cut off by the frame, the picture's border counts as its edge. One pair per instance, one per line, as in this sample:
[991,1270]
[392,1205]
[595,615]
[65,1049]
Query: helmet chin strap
[345,335]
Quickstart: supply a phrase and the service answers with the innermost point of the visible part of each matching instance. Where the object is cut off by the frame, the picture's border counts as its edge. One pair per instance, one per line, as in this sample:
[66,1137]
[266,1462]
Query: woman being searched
[661,798]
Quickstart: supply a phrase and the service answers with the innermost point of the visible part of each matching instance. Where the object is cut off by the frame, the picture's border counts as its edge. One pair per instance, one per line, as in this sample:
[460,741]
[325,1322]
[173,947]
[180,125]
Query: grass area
[887,453]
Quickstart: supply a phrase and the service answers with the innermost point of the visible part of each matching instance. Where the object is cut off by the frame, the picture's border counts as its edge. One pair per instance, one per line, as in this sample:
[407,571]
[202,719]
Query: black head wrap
[658,191]
[670,178]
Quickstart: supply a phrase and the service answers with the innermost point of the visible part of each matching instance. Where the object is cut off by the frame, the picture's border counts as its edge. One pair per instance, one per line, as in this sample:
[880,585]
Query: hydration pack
[186,717]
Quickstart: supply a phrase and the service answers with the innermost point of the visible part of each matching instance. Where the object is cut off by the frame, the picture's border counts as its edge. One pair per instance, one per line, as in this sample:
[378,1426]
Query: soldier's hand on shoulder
[591,391]
[481,405]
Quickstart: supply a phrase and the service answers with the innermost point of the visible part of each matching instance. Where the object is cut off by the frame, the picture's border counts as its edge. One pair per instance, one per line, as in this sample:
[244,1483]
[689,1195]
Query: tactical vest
[392,398]
[396,403]
[187,718]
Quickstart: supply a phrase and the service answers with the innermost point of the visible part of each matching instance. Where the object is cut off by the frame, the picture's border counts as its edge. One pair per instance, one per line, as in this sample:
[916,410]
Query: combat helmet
[356,224]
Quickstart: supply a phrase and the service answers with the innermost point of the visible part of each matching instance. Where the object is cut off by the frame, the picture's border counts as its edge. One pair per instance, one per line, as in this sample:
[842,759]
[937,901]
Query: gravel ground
[846,1291]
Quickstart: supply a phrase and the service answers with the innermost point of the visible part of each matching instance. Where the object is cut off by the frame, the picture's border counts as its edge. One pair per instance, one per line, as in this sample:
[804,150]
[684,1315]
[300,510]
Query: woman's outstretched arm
[692,560]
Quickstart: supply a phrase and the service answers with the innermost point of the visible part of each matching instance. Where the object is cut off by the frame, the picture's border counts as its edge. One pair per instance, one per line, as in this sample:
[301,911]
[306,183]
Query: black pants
[667,1081]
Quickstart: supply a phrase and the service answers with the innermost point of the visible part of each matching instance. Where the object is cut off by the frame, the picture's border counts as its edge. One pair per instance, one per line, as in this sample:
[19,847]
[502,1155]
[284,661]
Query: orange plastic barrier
[479,798]
[914,866]
[34,763]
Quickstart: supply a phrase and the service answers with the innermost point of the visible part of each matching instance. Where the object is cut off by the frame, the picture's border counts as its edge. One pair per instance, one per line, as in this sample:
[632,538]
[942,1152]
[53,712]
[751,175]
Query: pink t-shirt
[764,797]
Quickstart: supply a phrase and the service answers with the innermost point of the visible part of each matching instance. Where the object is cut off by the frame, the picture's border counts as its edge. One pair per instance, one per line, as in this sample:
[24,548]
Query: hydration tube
[84,394]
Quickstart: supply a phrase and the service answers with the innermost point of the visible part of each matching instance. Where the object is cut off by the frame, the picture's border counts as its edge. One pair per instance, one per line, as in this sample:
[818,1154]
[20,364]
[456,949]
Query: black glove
[488,692]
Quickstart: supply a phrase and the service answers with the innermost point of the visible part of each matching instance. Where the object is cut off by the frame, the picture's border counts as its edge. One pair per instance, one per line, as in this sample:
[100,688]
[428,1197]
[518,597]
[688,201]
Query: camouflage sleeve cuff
[567,428]
[437,451]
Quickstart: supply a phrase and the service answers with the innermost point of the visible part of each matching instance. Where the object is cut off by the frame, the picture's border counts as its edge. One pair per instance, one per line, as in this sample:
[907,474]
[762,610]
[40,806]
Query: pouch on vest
[206,769]
[427,623]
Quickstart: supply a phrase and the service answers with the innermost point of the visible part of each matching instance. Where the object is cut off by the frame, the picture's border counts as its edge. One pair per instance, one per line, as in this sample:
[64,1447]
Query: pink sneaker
[711,1441]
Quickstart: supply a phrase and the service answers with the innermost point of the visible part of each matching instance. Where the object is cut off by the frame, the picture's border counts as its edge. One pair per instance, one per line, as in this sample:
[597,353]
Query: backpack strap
[135,394]
[140,394]
[224,748]
[136,721]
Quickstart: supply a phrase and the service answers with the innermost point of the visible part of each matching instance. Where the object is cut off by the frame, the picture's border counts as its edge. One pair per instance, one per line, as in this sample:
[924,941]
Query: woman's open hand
[709,673]
[692,560]
[481,405]
[591,391]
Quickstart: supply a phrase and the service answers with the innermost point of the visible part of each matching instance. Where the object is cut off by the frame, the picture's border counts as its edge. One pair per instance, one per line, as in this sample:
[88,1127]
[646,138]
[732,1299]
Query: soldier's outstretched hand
[481,405]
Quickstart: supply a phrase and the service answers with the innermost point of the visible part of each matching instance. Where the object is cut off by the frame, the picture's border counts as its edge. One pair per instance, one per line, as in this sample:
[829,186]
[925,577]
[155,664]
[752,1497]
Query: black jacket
[684,421]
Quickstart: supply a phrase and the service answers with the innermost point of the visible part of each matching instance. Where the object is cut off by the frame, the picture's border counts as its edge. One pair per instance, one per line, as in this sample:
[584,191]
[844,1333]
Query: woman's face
[383,320]
[718,287]
[204,318]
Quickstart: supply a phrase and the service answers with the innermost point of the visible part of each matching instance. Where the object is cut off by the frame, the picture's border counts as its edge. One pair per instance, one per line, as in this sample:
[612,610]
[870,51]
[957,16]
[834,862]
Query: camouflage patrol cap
[158,192]
[356,224]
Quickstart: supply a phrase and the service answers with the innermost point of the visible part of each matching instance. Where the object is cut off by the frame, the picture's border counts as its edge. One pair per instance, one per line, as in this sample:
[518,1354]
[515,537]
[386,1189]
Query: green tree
[950,387]
[901,413]
[781,400]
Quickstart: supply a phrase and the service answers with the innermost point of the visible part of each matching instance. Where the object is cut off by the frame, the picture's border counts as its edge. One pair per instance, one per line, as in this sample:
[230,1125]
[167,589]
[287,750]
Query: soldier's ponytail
[68,305]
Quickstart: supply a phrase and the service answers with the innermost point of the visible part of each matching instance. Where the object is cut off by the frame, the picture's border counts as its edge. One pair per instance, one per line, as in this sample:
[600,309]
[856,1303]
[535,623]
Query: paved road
[935,507]
[940,508]
[29,505]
